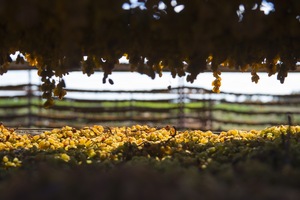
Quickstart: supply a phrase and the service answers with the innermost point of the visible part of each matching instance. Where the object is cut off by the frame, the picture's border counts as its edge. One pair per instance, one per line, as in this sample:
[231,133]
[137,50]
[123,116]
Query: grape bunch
[55,36]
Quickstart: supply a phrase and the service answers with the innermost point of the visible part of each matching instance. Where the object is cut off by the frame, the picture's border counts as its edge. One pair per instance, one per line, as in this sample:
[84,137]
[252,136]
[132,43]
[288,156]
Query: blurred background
[132,99]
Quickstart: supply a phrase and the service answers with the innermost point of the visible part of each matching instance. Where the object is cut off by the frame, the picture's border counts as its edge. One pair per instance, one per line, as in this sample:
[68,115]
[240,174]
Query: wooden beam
[123,67]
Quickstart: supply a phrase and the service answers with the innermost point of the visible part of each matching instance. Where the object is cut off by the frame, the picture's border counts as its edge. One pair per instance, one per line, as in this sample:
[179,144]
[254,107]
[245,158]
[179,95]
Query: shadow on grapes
[164,169]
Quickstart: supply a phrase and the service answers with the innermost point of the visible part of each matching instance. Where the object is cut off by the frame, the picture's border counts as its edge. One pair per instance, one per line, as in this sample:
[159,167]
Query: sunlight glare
[267,7]
[179,8]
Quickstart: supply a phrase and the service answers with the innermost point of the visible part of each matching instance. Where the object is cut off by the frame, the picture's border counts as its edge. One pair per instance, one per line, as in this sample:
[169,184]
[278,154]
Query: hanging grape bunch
[55,35]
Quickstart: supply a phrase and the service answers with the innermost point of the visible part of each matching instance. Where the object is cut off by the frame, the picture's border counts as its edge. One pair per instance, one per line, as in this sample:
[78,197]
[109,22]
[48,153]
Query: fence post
[131,108]
[181,99]
[210,114]
[29,98]
[202,115]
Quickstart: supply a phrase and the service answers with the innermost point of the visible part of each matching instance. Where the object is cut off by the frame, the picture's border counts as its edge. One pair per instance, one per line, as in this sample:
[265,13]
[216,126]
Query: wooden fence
[183,107]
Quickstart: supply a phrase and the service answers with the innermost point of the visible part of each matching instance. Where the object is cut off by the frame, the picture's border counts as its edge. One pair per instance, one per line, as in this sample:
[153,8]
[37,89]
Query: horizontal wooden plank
[127,68]
[249,123]
[240,112]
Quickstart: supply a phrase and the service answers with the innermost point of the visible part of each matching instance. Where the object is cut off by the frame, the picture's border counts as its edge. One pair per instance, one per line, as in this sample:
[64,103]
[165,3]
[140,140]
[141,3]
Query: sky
[236,82]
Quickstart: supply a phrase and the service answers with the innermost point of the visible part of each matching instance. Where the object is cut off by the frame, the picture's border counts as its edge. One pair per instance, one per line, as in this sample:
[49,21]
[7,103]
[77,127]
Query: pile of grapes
[147,162]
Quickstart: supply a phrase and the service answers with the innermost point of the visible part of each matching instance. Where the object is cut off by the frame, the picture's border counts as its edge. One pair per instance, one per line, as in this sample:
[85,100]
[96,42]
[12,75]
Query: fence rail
[184,107]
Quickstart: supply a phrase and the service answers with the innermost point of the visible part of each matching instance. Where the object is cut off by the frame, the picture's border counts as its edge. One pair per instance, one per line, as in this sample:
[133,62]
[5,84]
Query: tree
[54,36]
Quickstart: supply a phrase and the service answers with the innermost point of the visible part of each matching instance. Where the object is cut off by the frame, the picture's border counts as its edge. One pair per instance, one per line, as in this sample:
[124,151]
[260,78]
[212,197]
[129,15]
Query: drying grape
[53,43]
[96,143]
[111,81]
